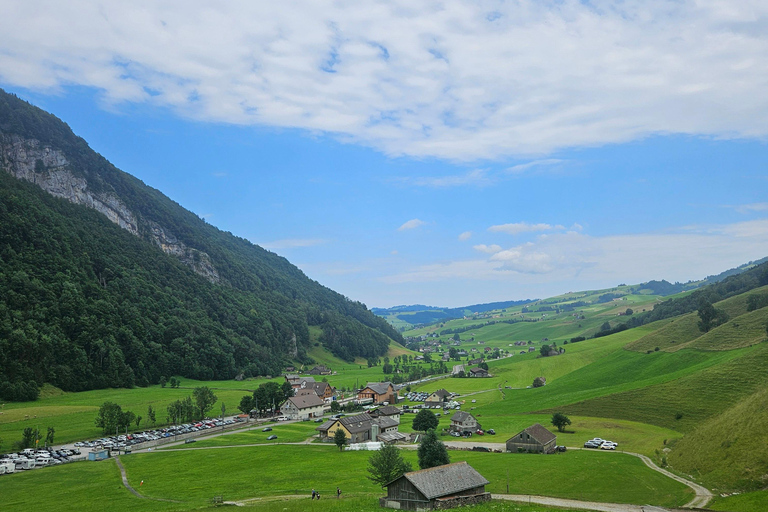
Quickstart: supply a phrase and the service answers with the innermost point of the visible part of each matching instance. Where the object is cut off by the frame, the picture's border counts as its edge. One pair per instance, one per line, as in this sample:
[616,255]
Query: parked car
[607,446]
[190,441]
[481,449]
[270,438]
[479,432]
[560,448]
[591,444]
[267,429]
[491,431]
[455,434]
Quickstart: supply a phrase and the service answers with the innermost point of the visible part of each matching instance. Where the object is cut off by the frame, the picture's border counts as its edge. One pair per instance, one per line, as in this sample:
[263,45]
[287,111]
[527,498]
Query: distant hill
[109,283]
[665,288]
[420,315]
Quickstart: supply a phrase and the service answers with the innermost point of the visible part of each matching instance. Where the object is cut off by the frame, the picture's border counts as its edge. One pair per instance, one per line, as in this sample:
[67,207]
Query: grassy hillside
[729,451]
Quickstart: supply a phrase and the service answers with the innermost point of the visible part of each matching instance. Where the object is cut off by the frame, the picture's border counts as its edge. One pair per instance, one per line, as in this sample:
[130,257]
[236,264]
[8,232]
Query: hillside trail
[130,488]
[596,506]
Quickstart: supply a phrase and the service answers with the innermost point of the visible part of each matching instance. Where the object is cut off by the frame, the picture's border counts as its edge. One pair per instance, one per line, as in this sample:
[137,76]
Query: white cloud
[490,249]
[520,168]
[465,236]
[293,243]
[751,207]
[455,80]
[523,227]
[411,224]
[477,177]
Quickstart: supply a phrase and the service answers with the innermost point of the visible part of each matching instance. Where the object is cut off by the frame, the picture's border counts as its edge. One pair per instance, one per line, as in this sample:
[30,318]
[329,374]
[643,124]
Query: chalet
[389,411]
[441,487]
[290,369]
[324,390]
[463,422]
[380,392]
[362,428]
[298,382]
[476,361]
[303,407]
[320,370]
[534,439]
[437,398]
[478,372]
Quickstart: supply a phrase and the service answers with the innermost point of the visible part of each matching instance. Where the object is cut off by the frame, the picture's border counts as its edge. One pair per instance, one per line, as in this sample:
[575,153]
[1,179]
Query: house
[289,369]
[380,392]
[463,422]
[534,439]
[320,370]
[362,428]
[389,411]
[478,372]
[441,487]
[476,361]
[298,382]
[303,407]
[437,398]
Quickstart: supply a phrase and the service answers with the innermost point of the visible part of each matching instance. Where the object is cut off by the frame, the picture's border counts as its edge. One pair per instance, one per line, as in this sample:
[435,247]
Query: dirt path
[574,504]
[131,489]
[703,495]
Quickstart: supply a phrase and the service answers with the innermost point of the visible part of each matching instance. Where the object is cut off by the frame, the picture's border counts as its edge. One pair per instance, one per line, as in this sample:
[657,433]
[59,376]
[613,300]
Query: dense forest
[86,304]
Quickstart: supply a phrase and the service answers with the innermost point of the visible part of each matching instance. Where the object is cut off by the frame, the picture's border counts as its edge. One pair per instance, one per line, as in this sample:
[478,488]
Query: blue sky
[449,154]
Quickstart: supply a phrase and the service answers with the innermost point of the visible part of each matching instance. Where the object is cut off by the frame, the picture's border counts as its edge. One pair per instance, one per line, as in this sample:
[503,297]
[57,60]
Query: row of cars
[121,442]
[30,458]
[601,443]
[479,432]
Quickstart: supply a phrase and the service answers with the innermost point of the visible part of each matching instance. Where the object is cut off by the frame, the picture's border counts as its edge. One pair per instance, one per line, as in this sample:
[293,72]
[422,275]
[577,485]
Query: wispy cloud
[749,208]
[521,168]
[219,174]
[490,249]
[293,243]
[409,79]
[411,224]
[476,178]
[523,227]
[465,236]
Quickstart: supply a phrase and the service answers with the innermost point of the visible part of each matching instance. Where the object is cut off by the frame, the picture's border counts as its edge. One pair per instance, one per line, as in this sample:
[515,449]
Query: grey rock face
[29,160]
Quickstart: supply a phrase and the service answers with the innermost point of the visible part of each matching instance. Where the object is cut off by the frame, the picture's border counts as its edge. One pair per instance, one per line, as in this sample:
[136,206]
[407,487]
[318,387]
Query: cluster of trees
[112,419]
[387,464]
[88,305]
[417,371]
[267,397]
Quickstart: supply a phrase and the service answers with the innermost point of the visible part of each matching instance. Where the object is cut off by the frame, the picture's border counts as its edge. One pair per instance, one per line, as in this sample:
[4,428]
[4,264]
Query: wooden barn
[438,488]
[534,439]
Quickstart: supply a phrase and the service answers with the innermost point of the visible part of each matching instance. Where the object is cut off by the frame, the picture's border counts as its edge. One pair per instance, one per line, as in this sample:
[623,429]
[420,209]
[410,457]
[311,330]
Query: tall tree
[560,421]
[340,438]
[109,417]
[151,414]
[204,399]
[425,420]
[386,464]
[432,452]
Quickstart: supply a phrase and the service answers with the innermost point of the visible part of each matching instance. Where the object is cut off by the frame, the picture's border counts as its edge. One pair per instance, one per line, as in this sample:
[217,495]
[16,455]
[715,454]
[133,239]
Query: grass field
[744,502]
[245,472]
[289,433]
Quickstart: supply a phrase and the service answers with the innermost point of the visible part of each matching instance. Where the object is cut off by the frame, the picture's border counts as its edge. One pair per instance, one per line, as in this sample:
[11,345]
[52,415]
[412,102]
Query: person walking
[313,494]
[338,493]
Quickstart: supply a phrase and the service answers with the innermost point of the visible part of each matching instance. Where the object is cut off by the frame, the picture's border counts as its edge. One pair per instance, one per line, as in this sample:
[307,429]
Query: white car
[607,445]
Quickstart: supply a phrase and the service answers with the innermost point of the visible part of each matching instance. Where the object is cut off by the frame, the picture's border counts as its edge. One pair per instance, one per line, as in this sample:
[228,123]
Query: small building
[457,369]
[438,488]
[478,372]
[303,407]
[462,422]
[534,439]
[476,361]
[389,411]
[320,370]
[437,398]
[379,391]
[98,454]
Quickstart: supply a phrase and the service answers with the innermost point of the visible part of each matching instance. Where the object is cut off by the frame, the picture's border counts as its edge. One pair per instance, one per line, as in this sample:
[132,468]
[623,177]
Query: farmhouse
[298,382]
[379,391]
[303,407]
[534,439]
[362,428]
[478,372]
[463,422]
[320,370]
[389,411]
[437,398]
[438,488]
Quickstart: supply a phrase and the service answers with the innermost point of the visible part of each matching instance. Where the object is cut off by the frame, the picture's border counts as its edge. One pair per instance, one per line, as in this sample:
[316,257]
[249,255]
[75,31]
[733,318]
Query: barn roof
[540,434]
[380,388]
[461,416]
[444,480]
[306,401]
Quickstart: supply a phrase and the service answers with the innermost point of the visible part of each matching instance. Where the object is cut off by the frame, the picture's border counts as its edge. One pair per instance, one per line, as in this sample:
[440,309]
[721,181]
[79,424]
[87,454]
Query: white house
[303,407]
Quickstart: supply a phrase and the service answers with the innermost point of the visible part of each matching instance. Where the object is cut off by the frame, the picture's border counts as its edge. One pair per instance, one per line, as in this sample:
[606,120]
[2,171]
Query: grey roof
[461,416]
[387,410]
[478,370]
[444,480]
[540,434]
[380,388]
[442,393]
[386,422]
[357,423]
[306,401]
[325,426]
[391,437]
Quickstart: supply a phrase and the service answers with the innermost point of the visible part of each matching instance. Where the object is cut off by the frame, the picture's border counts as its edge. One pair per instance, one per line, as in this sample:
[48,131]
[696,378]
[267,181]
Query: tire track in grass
[131,489]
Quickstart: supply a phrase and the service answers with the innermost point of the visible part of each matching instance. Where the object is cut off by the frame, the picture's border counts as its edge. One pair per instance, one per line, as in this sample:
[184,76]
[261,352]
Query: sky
[443,153]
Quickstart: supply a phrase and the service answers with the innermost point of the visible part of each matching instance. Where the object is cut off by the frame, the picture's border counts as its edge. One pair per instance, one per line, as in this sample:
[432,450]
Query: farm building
[379,391]
[478,372]
[438,488]
[303,407]
[437,398]
[534,439]
[462,422]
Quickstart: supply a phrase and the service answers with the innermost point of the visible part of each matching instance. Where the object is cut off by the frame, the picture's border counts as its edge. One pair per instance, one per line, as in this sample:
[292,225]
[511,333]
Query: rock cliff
[47,167]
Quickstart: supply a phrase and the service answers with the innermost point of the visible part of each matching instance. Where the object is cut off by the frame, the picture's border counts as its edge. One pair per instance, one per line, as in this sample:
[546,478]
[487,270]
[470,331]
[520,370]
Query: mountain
[419,314]
[109,283]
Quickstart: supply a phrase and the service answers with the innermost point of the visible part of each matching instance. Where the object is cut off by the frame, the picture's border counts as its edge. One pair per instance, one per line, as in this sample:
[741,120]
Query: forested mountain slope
[107,282]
